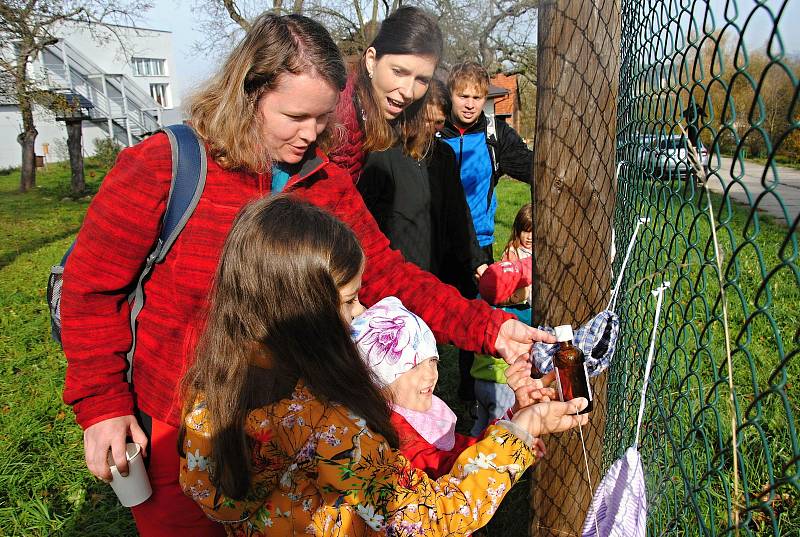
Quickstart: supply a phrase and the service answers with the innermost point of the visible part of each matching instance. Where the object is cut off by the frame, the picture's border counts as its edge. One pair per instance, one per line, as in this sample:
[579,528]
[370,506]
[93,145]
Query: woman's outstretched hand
[515,339]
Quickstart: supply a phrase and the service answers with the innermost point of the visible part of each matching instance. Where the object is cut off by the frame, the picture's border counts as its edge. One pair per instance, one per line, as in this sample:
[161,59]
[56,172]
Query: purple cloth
[620,502]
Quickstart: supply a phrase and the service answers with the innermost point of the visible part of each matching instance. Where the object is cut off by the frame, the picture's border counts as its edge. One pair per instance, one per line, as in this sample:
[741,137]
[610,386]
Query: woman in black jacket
[420,204]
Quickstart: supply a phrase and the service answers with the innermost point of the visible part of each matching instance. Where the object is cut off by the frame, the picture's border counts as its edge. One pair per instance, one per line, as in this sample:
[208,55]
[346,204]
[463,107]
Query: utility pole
[574,194]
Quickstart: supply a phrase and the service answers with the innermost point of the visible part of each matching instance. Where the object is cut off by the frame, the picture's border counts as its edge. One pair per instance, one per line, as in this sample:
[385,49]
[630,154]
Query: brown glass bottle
[572,379]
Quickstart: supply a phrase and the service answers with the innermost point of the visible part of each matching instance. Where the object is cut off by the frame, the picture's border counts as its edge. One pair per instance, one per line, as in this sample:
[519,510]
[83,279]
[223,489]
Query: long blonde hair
[224,113]
[409,30]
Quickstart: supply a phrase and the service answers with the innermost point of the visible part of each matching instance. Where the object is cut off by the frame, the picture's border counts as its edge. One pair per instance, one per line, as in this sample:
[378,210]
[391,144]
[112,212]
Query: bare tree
[26,29]
[500,34]
[352,23]
[225,21]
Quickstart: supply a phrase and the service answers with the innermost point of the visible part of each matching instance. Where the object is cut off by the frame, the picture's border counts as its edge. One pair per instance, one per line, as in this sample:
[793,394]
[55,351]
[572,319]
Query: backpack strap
[491,139]
[189,168]
[491,128]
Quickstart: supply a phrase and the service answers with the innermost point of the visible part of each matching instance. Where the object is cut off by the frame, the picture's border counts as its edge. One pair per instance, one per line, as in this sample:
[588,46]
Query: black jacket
[420,207]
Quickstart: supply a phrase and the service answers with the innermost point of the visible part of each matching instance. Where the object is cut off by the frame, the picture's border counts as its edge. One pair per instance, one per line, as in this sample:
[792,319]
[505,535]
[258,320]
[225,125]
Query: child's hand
[538,448]
[527,390]
[551,417]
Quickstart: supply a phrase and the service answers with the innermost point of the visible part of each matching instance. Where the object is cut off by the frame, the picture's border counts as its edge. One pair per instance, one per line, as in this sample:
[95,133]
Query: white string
[659,293]
[615,292]
[588,475]
[611,304]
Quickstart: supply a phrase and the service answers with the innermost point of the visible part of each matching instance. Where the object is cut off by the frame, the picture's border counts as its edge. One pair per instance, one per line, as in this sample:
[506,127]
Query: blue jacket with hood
[483,159]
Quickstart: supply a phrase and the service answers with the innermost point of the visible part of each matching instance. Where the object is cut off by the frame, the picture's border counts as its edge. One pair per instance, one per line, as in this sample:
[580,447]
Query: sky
[179,17]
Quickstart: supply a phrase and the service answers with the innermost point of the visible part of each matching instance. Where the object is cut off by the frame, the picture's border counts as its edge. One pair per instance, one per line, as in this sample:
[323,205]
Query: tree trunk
[75,147]
[574,164]
[27,141]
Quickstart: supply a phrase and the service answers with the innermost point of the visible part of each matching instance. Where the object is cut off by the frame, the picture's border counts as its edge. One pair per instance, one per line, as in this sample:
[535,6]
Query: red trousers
[169,511]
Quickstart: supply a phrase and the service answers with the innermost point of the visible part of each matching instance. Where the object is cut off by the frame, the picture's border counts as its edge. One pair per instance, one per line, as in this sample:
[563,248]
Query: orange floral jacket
[318,470]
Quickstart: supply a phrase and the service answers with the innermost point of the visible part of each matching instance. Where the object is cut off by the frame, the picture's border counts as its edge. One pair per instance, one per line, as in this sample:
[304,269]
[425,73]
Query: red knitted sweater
[120,229]
[349,154]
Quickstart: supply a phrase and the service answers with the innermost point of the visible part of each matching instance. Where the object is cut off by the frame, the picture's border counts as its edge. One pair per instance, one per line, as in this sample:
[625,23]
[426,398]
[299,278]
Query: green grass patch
[45,488]
[687,436]
[47,213]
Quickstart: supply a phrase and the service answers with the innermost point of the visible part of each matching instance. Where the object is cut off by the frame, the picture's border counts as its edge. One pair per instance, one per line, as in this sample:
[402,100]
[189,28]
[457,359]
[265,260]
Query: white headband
[392,340]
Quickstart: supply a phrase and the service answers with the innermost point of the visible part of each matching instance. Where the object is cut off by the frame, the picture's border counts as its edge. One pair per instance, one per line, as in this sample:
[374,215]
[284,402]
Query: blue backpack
[189,167]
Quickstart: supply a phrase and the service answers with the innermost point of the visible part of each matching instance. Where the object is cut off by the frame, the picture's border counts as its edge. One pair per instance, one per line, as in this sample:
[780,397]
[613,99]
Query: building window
[149,66]
[159,94]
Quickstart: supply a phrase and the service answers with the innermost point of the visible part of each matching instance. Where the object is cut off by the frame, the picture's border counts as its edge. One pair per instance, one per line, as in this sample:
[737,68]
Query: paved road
[752,184]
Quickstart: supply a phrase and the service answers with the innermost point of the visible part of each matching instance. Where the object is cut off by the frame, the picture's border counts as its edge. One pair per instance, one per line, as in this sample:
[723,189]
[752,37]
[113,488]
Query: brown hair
[409,30]
[224,113]
[439,96]
[468,73]
[522,222]
[274,319]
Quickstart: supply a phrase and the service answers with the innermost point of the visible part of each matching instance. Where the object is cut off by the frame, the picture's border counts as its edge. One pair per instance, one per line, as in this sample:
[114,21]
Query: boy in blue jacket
[486,150]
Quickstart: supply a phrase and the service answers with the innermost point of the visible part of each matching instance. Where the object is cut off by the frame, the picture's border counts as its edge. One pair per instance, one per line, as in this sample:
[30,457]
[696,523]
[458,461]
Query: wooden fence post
[574,194]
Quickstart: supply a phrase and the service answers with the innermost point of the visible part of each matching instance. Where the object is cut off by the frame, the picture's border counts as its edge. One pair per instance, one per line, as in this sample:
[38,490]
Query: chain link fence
[718,76]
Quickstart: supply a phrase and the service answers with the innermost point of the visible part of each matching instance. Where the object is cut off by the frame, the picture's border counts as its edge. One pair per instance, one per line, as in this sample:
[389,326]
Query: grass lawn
[45,488]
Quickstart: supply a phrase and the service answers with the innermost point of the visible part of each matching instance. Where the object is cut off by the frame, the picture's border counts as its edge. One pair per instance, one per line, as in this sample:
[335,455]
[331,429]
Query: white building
[128,78]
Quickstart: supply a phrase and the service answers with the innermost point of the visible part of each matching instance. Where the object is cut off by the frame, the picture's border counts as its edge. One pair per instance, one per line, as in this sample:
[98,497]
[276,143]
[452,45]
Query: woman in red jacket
[264,119]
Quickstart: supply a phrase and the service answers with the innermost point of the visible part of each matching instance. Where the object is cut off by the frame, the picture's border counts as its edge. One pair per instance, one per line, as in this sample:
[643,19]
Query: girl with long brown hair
[520,243]
[285,429]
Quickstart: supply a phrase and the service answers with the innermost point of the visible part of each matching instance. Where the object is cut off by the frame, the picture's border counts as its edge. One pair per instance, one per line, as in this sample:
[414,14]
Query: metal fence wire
[717,76]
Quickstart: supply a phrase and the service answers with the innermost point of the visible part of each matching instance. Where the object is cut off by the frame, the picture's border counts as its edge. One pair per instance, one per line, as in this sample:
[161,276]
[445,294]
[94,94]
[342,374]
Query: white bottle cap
[564,333]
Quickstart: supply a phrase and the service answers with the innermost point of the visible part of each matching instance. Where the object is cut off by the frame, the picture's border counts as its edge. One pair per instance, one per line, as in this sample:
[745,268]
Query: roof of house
[506,104]
[496,92]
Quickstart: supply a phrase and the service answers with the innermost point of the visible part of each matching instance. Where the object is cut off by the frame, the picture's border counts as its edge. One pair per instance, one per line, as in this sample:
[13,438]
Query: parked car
[668,157]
